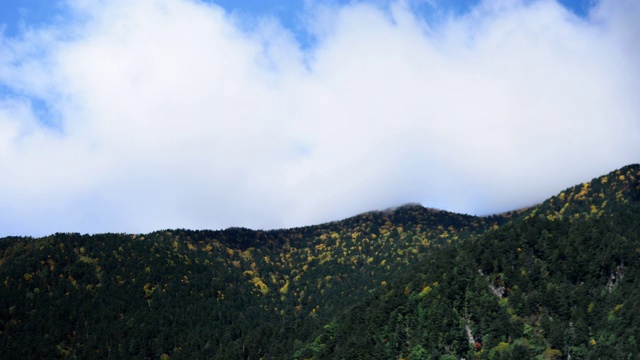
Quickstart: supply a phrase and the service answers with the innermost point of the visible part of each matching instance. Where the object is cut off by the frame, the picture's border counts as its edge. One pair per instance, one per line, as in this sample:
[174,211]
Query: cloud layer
[144,115]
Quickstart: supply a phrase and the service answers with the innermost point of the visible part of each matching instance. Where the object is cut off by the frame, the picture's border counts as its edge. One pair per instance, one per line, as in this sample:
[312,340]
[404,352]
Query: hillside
[409,282]
[561,282]
[230,294]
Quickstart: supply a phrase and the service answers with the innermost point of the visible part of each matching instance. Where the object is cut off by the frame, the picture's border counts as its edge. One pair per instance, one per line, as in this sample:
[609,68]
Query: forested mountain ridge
[236,293]
[603,195]
[559,282]
[240,293]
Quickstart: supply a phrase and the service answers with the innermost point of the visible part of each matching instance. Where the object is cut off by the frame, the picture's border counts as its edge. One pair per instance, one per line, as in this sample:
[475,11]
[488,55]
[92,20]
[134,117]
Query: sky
[140,115]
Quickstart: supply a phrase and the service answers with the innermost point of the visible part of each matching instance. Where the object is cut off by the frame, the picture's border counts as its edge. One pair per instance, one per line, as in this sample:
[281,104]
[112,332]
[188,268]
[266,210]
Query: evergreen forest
[554,281]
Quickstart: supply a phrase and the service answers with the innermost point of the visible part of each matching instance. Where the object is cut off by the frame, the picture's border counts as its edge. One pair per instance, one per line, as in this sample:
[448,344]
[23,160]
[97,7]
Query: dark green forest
[554,281]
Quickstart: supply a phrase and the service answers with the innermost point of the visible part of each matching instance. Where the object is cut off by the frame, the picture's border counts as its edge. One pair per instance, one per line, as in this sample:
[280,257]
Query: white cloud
[172,114]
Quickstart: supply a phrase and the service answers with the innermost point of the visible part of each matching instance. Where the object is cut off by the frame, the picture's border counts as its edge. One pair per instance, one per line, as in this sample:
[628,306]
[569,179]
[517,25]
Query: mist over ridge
[131,116]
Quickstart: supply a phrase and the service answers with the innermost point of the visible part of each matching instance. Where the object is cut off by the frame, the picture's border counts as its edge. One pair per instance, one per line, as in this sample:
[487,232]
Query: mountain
[408,282]
[560,281]
[230,294]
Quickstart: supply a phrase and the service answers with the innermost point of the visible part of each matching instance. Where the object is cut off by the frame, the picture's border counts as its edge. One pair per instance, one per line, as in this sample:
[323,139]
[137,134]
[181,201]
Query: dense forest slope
[560,283]
[230,294]
[554,280]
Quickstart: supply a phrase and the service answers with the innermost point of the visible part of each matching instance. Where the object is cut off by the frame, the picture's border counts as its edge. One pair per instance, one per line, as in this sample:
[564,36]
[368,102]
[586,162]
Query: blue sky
[15,15]
[138,115]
